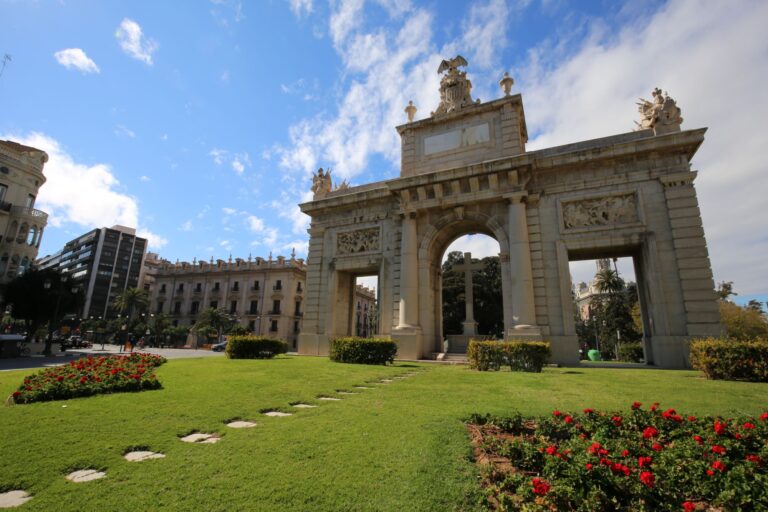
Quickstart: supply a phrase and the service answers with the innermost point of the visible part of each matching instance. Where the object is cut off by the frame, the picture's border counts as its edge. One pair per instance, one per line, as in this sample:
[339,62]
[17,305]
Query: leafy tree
[42,297]
[743,323]
[755,305]
[237,329]
[486,291]
[725,290]
[213,319]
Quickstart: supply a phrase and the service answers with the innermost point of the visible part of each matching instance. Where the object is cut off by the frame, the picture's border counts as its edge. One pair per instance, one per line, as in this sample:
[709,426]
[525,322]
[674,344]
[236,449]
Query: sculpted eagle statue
[452,64]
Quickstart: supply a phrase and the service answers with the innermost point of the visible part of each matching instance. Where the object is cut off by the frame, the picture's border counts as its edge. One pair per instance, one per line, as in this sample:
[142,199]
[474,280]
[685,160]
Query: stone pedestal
[409,342]
[469,328]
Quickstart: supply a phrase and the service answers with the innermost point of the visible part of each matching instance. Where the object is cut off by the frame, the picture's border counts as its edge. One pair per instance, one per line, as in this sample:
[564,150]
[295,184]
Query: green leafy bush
[728,359]
[520,356]
[631,352]
[254,347]
[363,350]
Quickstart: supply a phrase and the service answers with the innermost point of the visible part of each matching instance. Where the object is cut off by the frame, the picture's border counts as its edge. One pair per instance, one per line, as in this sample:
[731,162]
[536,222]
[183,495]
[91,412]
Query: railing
[274,312]
[277,288]
[29,212]
[6,207]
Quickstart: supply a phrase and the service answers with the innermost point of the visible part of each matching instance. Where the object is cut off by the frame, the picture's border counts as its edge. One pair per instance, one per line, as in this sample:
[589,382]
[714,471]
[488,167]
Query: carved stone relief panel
[601,211]
[361,240]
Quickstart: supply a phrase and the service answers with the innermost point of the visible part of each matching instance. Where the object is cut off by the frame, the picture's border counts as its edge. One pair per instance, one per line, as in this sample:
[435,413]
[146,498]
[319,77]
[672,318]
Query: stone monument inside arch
[465,169]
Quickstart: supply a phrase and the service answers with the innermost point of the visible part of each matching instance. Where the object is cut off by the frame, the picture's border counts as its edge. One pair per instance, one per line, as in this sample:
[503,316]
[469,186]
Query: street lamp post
[47,285]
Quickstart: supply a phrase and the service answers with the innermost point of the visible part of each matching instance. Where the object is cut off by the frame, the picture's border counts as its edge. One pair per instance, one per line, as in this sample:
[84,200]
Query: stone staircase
[450,358]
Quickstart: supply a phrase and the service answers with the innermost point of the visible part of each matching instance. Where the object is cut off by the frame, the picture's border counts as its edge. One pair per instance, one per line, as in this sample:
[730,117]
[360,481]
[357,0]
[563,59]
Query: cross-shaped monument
[469,324]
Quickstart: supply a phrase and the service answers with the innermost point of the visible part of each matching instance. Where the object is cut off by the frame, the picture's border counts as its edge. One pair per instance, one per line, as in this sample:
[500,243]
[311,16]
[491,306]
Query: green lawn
[400,446]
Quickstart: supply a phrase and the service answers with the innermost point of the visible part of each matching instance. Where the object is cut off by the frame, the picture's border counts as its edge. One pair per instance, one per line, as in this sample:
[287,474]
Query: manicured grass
[400,446]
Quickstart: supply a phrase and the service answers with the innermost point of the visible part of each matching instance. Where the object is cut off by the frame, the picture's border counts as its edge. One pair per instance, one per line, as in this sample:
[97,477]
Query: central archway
[438,236]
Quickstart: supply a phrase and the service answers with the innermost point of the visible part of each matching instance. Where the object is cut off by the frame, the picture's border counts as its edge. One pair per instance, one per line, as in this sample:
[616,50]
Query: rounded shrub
[520,356]
[729,359]
[631,352]
[363,350]
[254,347]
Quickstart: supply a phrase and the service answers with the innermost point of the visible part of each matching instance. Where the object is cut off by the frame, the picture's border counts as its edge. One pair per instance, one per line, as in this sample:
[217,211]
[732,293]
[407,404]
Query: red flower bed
[644,459]
[90,376]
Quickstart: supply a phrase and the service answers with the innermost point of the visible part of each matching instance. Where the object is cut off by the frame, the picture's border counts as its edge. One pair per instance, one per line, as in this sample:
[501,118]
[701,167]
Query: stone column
[409,267]
[523,308]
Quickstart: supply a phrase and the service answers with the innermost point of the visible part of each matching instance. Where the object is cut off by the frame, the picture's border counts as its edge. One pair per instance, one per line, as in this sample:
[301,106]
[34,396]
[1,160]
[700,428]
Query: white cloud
[485,32]
[480,246]
[82,194]
[255,224]
[218,155]
[229,211]
[715,70]
[144,179]
[240,161]
[301,8]
[154,241]
[124,131]
[224,76]
[133,42]
[187,226]
[346,17]
[75,58]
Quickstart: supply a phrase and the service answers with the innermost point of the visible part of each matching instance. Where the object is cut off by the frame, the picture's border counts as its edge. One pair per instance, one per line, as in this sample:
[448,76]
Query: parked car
[219,347]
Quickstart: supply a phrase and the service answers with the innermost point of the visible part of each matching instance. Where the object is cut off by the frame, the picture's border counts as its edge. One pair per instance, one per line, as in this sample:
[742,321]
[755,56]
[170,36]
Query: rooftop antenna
[6,59]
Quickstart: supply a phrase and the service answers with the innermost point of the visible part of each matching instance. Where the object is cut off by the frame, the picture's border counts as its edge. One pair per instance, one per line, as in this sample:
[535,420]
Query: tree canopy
[486,288]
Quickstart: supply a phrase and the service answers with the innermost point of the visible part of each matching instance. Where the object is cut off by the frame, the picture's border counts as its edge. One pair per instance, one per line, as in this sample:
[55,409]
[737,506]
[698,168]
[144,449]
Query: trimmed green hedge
[520,356]
[254,347]
[728,359]
[363,350]
[631,352]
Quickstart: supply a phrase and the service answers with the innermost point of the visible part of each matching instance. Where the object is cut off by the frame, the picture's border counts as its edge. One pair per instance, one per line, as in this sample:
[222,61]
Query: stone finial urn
[506,83]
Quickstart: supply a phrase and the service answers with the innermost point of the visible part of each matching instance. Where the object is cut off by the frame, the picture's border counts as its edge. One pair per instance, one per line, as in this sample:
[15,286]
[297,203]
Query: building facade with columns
[465,169]
[21,224]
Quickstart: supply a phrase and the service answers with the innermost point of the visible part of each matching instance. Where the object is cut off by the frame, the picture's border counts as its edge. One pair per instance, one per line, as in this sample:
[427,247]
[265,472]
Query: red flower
[588,411]
[16,393]
[710,472]
[60,378]
[764,416]
[625,453]
[655,406]
[698,439]
[551,450]
[718,449]
[720,428]
[636,405]
[644,461]
[650,432]
[620,469]
[691,419]
[718,466]
[594,448]
[540,486]
[668,413]
[647,478]
[748,426]
[556,413]
[616,420]
[589,466]
[688,506]
[657,447]
[753,458]
[568,420]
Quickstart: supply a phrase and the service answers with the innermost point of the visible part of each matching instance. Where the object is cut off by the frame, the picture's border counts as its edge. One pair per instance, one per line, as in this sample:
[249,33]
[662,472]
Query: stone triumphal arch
[465,169]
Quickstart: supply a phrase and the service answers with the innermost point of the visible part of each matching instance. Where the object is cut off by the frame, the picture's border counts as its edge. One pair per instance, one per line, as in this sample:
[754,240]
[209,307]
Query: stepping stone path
[347,393]
[385,381]
[277,414]
[200,438]
[241,424]
[139,456]
[362,387]
[303,406]
[85,475]
[329,398]
[13,499]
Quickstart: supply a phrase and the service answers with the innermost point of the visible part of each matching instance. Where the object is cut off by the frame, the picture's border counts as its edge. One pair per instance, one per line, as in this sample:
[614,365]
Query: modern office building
[21,225]
[103,262]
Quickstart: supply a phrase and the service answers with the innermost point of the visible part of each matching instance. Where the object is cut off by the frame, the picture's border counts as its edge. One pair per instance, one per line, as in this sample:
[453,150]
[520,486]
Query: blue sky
[201,122]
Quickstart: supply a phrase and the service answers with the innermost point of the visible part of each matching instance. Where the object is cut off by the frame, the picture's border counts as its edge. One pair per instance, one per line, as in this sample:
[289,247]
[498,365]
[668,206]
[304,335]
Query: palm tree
[131,300]
[608,281]
[211,318]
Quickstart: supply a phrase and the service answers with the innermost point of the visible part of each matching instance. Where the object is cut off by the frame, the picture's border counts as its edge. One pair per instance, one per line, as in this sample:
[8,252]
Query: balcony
[277,288]
[274,312]
[23,211]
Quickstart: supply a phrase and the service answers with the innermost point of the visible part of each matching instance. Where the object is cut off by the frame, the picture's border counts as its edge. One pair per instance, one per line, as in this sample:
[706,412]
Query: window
[298,287]
[233,307]
[254,307]
[162,288]
[177,308]
[255,285]
[235,286]
[199,287]
[214,304]
[216,286]
[30,201]
[273,326]
[180,288]
[278,285]
[160,307]
[3,191]
[297,311]
[296,326]
[195,308]
[252,326]
[275,307]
